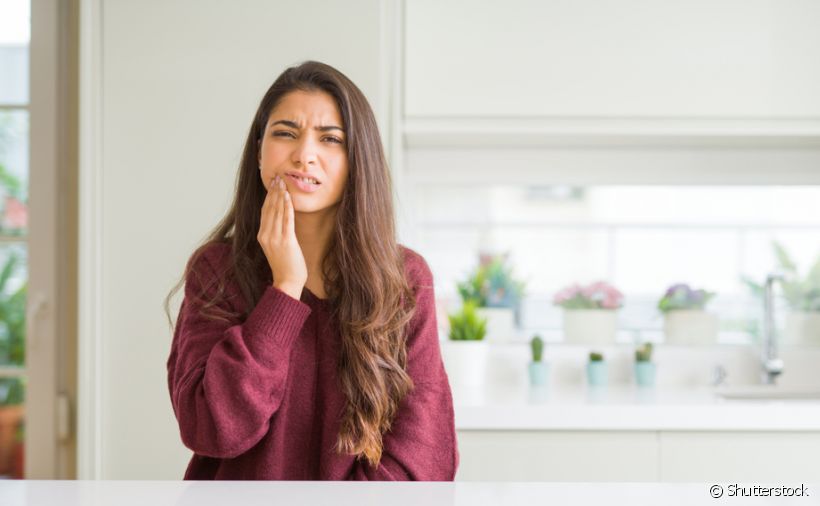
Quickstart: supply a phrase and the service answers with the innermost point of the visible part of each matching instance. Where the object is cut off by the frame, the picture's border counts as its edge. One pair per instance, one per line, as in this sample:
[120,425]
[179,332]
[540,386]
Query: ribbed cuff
[274,324]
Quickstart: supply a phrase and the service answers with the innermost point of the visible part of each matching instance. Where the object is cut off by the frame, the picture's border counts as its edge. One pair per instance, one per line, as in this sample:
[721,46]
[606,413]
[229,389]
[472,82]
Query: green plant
[12,316]
[492,284]
[11,183]
[644,353]
[596,356]
[801,293]
[12,391]
[537,345]
[12,333]
[466,325]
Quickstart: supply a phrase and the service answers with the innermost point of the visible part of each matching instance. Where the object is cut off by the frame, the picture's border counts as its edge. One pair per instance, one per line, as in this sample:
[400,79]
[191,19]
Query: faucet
[772,365]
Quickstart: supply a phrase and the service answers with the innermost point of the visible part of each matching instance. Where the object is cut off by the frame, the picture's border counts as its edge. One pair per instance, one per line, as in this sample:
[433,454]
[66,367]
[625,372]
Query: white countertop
[177,493]
[626,408]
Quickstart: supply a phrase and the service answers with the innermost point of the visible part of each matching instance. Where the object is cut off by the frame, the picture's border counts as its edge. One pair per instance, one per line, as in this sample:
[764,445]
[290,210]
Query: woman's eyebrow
[292,124]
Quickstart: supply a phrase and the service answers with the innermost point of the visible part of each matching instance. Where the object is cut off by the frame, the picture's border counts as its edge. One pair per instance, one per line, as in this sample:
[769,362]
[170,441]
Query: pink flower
[600,295]
[16,214]
[568,293]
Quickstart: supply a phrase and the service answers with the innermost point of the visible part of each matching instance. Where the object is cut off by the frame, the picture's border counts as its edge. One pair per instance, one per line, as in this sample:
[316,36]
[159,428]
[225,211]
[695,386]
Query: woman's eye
[282,133]
[334,139]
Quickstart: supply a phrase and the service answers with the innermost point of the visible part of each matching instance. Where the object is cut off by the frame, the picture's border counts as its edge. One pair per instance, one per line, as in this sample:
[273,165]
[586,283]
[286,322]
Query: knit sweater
[260,399]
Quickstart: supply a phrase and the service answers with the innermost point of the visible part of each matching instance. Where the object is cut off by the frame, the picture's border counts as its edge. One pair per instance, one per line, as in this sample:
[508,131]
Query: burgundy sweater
[260,399]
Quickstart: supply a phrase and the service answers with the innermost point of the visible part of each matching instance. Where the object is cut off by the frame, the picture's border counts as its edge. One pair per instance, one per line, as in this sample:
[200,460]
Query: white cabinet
[709,456]
[557,456]
[718,457]
[622,58]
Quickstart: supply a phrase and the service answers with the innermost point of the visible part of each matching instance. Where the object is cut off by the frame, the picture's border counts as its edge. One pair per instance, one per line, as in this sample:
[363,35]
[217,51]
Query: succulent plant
[644,353]
[596,356]
[537,345]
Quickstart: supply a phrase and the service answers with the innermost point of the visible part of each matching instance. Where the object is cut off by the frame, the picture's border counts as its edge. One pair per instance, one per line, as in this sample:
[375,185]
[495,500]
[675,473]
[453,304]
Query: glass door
[15,27]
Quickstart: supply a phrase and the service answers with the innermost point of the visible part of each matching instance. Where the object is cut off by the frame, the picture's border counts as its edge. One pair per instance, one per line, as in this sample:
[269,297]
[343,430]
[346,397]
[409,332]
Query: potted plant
[465,356]
[496,294]
[644,367]
[590,312]
[596,370]
[685,319]
[802,294]
[12,353]
[538,369]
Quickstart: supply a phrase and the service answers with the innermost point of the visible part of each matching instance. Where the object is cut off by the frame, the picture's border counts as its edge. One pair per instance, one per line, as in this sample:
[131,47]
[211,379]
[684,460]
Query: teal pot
[539,373]
[596,374]
[645,374]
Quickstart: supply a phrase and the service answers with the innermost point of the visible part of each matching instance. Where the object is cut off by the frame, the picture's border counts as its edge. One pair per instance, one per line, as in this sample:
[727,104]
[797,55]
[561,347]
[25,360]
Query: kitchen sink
[769,392]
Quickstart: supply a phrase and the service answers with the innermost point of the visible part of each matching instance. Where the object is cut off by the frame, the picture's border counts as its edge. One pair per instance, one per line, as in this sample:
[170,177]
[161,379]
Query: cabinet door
[622,58]
[557,456]
[764,457]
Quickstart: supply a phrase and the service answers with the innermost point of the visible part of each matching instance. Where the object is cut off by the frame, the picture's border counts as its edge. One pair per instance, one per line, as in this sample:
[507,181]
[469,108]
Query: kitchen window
[642,239]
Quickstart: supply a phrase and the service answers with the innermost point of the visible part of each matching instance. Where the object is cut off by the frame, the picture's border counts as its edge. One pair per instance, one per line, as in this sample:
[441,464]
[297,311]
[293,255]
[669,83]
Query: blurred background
[619,201]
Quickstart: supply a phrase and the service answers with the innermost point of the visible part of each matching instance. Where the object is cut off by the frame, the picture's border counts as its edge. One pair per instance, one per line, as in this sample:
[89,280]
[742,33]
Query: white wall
[180,84]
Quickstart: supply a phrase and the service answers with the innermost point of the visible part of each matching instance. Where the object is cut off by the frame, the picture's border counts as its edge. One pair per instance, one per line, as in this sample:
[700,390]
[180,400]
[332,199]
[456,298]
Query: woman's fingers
[287,227]
[276,212]
[267,231]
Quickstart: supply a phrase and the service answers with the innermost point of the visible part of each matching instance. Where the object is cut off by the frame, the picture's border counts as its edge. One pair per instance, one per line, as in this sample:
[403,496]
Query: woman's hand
[278,239]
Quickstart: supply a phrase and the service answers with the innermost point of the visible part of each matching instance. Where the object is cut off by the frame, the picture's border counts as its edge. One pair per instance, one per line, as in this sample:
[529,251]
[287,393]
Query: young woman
[306,345]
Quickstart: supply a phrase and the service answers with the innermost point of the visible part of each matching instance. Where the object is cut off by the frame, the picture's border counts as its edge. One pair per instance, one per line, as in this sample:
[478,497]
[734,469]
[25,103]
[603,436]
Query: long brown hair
[363,269]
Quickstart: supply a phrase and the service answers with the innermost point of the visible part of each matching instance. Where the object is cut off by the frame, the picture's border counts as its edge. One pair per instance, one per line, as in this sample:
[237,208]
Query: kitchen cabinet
[557,456]
[789,457]
[671,456]
[587,60]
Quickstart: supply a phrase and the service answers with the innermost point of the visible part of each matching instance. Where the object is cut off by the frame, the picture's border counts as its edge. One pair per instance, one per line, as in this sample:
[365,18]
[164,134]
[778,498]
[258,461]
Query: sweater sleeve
[227,379]
[421,444]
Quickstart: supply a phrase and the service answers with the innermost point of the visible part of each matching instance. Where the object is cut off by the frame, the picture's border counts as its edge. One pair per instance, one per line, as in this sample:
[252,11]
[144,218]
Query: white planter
[465,362]
[500,322]
[690,326]
[590,326]
[802,328]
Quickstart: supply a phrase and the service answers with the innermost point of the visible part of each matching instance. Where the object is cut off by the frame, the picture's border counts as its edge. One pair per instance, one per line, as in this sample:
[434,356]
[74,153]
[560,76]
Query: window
[14,168]
[642,239]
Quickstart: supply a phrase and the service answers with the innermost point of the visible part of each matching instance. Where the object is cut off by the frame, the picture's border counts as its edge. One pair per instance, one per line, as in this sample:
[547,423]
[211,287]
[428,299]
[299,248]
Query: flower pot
[10,418]
[465,362]
[645,374]
[690,326]
[802,327]
[500,322]
[596,374]
[539,373]
[590,326]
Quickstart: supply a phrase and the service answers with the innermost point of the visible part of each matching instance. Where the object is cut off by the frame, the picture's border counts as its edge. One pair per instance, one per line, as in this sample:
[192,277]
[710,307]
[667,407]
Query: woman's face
[304,142]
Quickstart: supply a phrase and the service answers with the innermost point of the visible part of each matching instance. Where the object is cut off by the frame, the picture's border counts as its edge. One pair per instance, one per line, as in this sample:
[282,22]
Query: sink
[769,392]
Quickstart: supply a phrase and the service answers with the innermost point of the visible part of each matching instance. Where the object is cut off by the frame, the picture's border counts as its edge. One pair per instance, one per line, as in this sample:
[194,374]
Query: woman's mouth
[304,183]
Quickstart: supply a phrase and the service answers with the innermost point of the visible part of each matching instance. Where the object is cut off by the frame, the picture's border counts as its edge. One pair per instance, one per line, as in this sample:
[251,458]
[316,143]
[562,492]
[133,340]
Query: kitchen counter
[626,408]
[177,493]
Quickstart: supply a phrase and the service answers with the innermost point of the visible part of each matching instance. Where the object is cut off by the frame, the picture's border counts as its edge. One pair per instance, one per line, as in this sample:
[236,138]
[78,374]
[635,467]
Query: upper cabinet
[617,91]
[720,60]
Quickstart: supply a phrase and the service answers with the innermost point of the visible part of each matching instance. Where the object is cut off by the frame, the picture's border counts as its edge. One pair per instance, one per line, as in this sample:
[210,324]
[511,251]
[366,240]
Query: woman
[306,344]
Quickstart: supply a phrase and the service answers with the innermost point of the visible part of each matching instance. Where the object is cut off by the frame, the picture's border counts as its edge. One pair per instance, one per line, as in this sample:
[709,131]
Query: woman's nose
[305,151]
